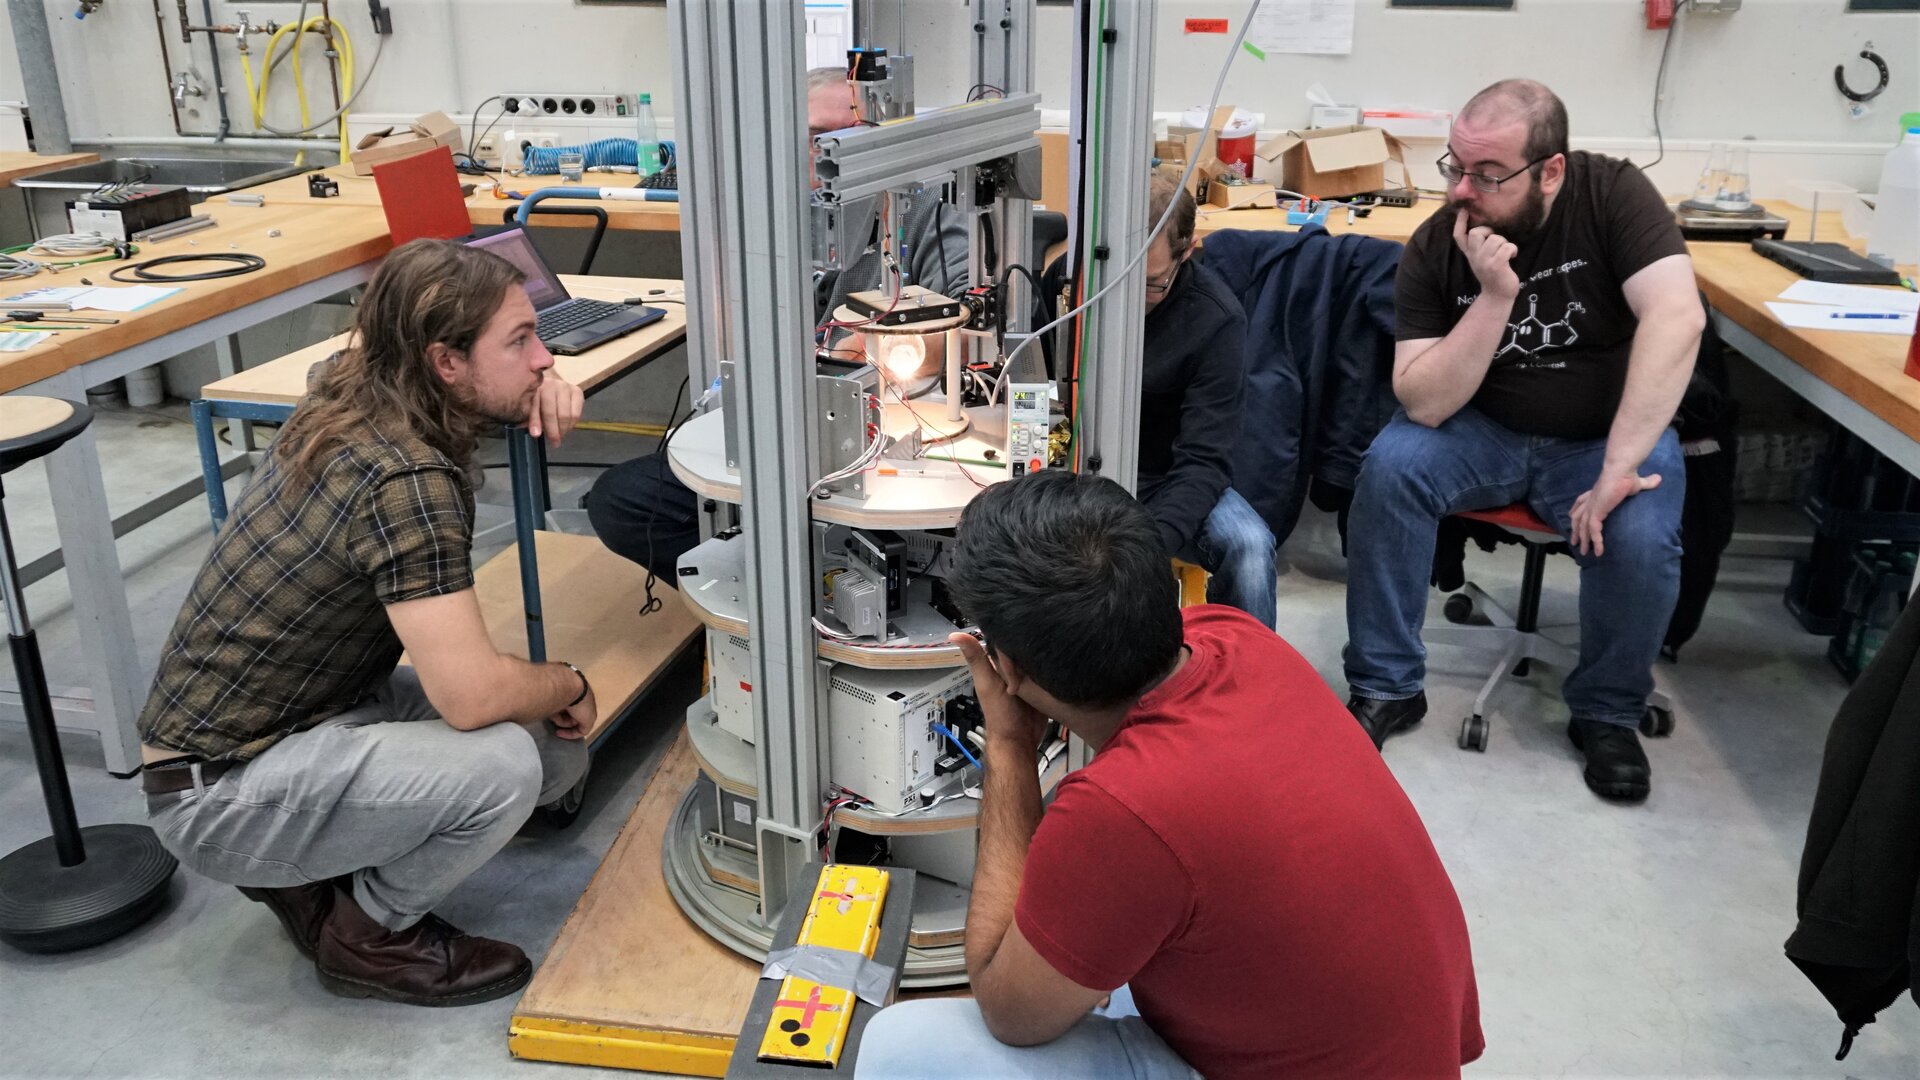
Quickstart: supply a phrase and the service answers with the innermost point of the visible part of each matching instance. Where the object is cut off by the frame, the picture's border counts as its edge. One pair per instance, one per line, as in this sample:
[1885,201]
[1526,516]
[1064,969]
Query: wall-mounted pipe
[219,84]
[34,43]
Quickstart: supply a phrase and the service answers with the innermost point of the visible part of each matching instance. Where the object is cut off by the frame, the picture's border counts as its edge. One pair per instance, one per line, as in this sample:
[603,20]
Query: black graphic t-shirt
[1560,367]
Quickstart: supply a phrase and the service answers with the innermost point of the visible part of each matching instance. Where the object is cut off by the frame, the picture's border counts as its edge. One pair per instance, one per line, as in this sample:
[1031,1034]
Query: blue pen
[1866,315]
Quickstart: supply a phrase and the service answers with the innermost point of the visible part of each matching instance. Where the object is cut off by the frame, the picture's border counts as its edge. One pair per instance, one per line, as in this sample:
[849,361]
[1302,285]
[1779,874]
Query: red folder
[421,197]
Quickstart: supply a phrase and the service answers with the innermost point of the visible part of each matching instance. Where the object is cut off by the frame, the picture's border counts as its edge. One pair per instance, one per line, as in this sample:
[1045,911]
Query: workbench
[16,164]
[483,208]
[310,256]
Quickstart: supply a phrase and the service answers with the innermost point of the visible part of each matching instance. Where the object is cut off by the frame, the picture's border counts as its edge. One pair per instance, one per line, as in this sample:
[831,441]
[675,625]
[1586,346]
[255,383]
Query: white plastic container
[144,388]
[1895,232]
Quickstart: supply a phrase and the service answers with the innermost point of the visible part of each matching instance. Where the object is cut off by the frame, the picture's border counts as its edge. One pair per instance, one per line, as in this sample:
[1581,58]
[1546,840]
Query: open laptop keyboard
[553,323]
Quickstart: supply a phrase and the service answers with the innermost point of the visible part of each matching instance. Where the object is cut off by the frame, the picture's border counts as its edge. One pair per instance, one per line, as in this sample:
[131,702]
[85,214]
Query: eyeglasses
[1451,172]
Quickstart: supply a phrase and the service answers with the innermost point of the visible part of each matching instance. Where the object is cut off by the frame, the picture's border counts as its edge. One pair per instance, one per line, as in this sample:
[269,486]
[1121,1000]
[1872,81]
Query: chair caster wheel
[1656,722]
[1458,609]
[565,810]
[1473,734]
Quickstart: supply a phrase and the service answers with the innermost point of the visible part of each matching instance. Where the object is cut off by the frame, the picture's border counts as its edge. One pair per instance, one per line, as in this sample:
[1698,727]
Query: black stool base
[46,907]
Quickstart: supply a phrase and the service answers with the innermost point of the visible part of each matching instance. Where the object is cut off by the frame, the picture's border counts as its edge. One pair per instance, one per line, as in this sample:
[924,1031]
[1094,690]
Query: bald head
[1526,104]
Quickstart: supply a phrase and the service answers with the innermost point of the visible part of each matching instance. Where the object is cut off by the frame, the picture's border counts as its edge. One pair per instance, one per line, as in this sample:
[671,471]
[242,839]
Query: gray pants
[386,792]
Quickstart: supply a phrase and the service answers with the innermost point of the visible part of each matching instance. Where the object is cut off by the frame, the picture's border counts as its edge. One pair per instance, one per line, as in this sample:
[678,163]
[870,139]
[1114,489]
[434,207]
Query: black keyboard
[573,316]
[665,178]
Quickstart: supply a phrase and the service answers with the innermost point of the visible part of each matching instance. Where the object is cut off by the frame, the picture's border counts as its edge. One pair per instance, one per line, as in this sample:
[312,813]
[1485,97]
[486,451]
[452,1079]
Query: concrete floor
[1609,941]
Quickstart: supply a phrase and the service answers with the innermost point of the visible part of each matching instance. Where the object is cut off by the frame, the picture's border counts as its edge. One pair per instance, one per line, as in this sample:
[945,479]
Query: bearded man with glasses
[1547,322]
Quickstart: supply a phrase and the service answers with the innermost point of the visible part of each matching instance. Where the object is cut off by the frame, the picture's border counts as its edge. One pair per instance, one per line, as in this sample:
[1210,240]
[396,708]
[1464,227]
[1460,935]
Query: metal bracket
[856,162]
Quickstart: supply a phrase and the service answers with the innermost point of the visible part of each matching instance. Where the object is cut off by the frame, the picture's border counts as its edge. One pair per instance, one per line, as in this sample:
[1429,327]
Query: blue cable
[955,739]
[545,160]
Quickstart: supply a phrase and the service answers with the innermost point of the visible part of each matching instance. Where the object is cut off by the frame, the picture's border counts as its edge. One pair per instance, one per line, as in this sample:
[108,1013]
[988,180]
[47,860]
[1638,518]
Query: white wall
[1764,73]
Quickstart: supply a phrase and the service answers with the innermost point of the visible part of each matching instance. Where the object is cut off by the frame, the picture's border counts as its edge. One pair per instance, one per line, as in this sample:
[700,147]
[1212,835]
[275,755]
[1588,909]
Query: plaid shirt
[286,624]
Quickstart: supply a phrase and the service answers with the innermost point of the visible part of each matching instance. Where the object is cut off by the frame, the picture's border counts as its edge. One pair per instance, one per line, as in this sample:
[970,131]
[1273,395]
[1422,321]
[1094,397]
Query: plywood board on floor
[630,982]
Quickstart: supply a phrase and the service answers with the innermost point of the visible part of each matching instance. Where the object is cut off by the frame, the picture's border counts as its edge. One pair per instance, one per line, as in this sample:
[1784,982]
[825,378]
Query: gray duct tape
[839,968]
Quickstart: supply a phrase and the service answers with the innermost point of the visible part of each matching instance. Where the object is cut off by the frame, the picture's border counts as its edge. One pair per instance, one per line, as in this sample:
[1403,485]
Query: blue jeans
[1414,475]
[1236,549]
[945,1039]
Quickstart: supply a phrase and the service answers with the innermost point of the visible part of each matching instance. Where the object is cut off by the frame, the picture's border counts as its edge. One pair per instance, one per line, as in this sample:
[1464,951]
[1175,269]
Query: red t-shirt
[1240,855]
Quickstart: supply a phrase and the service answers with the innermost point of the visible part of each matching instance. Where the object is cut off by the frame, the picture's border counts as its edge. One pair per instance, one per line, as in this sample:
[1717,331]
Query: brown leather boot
[301,908]
[429,963]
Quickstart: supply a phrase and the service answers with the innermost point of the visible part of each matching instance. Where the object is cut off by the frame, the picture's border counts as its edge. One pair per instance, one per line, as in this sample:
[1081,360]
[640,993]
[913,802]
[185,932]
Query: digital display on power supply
[1026,399]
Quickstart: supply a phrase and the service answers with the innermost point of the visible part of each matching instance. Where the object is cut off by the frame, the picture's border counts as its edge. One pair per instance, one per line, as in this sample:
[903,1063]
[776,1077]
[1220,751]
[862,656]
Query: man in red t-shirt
[1235,855]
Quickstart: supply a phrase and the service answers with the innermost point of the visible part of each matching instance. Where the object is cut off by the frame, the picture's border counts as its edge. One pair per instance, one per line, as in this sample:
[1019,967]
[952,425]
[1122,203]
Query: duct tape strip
[839,968]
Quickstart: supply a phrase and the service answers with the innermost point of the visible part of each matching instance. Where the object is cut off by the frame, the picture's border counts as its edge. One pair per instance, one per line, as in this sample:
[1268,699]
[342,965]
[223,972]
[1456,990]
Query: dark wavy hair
[1068,576]
[426,291]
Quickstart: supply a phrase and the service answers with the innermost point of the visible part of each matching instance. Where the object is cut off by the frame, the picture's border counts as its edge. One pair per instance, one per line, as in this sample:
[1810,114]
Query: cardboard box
[435,129]
[1055,170]
[1331,163]
[1185,144]
[1251,194]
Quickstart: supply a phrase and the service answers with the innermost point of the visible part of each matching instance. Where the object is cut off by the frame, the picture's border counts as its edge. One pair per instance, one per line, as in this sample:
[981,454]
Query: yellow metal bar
[570,1042]
[809,1022]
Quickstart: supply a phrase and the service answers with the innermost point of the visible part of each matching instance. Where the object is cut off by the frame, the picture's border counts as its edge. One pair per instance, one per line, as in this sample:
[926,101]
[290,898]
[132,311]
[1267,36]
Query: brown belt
[168,777]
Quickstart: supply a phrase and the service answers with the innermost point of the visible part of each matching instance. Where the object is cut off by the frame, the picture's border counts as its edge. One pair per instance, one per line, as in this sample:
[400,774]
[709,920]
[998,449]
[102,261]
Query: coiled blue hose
[545,160]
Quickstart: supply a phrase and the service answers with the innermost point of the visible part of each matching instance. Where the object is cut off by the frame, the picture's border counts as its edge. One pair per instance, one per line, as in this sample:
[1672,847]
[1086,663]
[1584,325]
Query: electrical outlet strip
[589,106]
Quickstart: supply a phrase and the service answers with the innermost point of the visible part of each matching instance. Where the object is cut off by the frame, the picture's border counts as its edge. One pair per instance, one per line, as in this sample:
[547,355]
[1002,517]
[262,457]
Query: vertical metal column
[1116,124]
[40,76]
[740,124]
[1003,57]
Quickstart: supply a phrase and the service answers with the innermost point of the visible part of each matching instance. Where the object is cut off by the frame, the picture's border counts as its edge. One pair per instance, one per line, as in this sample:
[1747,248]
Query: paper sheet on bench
[1820,317]
[1853,296]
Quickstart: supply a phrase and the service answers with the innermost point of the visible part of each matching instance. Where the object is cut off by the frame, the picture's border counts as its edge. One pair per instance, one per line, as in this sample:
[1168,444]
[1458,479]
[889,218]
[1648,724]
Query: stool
[78,887]
[1516,635]
[1193,583]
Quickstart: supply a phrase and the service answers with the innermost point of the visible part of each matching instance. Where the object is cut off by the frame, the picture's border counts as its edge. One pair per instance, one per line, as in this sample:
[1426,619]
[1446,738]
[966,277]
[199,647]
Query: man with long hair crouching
[285,751]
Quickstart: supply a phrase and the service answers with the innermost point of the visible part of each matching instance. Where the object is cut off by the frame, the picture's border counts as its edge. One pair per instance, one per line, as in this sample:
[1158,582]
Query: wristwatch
[582,695]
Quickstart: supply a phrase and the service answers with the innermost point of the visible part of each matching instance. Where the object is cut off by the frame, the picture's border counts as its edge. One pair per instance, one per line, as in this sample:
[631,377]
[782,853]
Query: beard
[486,413]
[1518,227]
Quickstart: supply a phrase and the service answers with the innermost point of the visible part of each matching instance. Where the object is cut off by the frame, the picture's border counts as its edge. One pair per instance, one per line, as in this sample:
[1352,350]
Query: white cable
[13,268]
[67,245]
[1139,257]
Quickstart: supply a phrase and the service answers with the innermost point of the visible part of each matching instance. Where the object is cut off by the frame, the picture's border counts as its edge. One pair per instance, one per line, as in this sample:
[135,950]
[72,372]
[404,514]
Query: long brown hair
[426,291]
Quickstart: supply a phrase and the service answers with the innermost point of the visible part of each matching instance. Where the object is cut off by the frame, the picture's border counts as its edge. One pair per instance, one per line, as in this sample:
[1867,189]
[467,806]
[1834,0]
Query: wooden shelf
[717,595]
[930,499]
[590,600]
[283,381]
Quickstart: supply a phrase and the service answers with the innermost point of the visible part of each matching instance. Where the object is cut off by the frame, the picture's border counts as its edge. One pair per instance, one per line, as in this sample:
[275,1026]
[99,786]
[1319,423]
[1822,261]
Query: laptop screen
[513,245]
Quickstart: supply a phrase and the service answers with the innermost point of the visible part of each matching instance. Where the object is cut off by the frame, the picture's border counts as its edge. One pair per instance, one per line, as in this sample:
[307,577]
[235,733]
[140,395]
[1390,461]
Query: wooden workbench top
[483,208]
[15,164]
[309,245]
[1384,222]
[1869,368]
[283,381]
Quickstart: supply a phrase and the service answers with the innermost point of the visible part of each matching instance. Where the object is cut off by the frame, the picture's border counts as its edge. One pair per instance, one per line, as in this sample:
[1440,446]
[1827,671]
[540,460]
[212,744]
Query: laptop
[1821,261]
[567,325]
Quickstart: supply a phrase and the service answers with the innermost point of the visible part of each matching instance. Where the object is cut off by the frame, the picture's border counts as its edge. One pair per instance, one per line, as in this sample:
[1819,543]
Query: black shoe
[1616,766]
[1379,718]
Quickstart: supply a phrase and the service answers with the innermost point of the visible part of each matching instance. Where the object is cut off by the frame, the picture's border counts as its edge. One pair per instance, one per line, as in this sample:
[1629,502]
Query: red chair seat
[1517,518]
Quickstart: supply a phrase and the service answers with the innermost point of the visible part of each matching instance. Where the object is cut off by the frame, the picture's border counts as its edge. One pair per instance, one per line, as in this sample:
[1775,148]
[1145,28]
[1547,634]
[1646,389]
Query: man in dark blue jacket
[1193,376]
